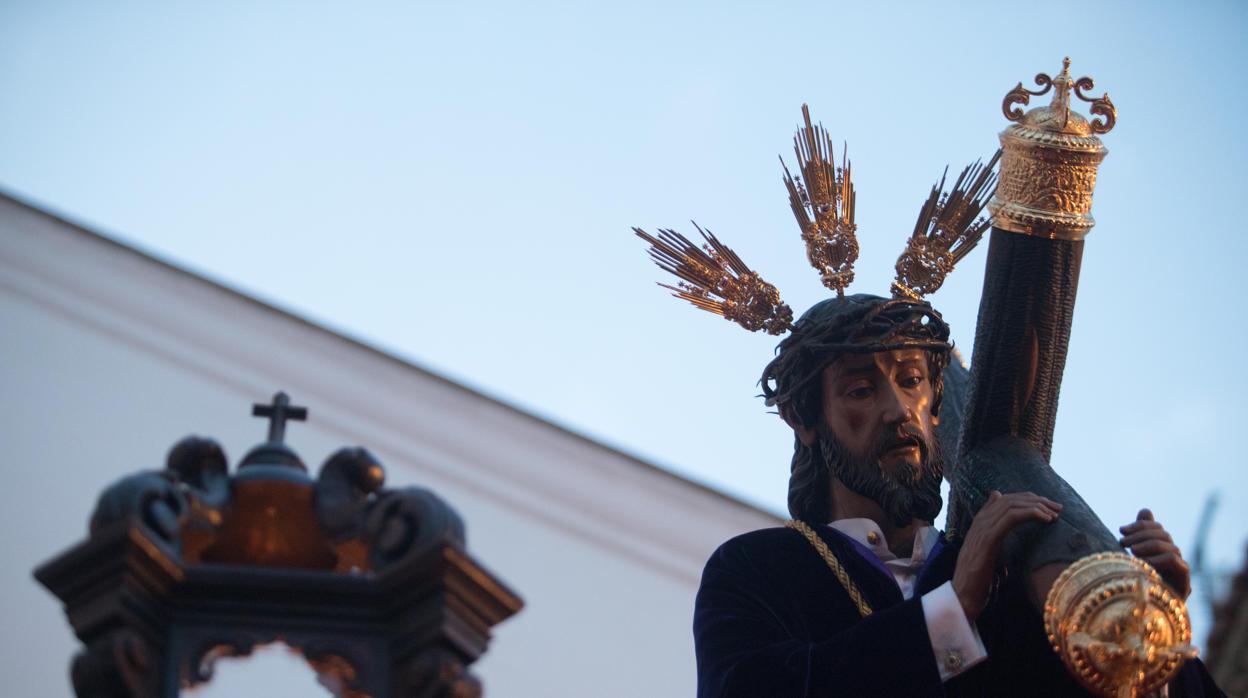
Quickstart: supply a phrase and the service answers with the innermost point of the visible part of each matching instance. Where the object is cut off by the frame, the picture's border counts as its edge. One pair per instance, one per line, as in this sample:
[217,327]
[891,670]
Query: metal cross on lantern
[278,412]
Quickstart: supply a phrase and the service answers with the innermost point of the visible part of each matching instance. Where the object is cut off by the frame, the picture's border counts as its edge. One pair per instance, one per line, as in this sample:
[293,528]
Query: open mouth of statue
[903,460]
[903,448]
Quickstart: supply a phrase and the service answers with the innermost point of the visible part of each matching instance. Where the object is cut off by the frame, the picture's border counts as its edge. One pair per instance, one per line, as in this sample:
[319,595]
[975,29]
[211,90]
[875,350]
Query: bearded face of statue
[877,435]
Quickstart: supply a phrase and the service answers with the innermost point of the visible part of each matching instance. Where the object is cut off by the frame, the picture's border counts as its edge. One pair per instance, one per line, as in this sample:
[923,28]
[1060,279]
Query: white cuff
[955,642]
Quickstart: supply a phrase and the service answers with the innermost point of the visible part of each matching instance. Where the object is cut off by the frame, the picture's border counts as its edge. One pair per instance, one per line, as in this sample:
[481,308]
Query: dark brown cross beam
[278,412]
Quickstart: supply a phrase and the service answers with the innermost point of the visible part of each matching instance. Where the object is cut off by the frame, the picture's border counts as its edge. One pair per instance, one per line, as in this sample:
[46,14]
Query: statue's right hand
[977,561]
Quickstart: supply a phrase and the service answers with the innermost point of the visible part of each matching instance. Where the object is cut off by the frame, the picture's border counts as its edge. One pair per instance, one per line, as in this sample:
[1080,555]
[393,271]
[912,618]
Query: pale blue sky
[455,182]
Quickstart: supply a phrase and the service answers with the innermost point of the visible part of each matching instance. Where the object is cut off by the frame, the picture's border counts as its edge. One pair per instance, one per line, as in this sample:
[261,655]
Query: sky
[455,183]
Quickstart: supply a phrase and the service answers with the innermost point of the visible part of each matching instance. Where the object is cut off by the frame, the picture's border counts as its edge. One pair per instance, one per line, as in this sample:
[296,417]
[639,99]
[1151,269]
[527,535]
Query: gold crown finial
[1061,92]
[1057,116]
[1048,169]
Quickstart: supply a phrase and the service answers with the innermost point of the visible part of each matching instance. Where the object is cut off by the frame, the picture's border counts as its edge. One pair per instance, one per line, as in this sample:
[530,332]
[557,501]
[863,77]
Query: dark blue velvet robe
[772,620]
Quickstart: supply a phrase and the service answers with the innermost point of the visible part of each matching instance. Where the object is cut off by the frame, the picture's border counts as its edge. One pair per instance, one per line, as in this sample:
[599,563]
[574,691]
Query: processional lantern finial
[373,586]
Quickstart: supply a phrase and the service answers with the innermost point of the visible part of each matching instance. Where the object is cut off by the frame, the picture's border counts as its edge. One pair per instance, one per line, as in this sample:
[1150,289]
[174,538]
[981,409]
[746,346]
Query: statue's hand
[977,561]
[1148,540]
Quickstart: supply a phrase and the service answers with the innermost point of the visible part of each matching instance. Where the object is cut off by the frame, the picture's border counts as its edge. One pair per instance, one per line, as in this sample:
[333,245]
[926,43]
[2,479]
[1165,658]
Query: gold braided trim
[834,564]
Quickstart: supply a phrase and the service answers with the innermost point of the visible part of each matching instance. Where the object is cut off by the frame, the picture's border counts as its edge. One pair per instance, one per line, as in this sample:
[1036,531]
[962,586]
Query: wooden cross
[278,412]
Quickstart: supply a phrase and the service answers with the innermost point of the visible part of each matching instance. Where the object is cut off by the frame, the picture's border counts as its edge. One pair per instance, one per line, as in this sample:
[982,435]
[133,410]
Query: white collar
[868,533]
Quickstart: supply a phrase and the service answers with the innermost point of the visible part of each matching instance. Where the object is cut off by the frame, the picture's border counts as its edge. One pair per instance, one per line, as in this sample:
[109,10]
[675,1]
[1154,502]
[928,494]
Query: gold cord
[834,564]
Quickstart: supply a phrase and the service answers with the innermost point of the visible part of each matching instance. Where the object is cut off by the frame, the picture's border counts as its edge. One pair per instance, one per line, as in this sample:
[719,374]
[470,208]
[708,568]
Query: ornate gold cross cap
[1049,161]
[1119,629]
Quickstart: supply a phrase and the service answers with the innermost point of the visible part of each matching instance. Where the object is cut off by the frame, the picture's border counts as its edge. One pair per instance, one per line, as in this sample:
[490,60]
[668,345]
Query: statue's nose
[897,410]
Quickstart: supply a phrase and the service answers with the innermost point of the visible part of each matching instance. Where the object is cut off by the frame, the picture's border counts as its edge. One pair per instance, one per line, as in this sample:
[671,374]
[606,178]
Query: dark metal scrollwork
[441,674]
[201,465]
[333,664]
[407,522]
[334,670]
[152,498]
[344,490]
[201,663]
[189,493]
[120,664]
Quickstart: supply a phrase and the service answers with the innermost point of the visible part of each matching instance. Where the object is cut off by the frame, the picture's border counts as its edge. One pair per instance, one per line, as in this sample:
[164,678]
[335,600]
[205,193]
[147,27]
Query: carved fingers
[1148,540]
[977,561]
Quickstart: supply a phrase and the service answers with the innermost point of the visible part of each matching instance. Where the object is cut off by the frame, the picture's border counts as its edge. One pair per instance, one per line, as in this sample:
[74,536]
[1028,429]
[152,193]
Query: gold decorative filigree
[1100,106]
[1022,95]
[947,229]
[716,280]
[1119,629]
[1060,108]
[1048,170]
[822,198]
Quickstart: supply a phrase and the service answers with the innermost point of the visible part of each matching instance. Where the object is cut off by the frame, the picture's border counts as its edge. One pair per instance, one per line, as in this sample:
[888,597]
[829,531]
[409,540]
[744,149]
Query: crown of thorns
[822,197]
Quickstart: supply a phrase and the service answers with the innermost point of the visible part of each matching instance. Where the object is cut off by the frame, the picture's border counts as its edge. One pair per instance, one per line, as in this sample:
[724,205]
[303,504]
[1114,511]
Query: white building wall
[109,357]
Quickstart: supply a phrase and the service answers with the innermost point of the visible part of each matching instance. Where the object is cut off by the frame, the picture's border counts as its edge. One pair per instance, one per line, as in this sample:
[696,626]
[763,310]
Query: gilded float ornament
[821,195]
[716,280]
[1120,630]
[1048,167]
[823,200]
[948,228]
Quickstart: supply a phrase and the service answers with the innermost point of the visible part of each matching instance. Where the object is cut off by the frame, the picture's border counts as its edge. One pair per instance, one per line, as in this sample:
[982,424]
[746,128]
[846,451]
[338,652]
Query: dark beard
[911,493]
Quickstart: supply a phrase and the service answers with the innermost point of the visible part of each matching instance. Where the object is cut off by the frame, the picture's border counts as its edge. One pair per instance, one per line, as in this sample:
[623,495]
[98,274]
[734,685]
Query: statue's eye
[859,393]
[911,381]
